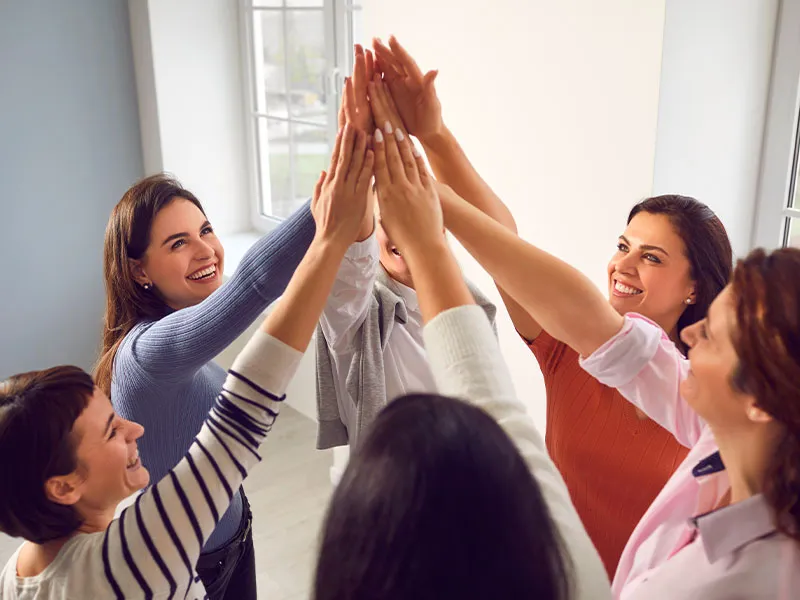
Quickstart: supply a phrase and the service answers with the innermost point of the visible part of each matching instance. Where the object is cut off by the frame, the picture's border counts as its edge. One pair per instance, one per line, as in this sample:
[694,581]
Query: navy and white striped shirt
[152,549]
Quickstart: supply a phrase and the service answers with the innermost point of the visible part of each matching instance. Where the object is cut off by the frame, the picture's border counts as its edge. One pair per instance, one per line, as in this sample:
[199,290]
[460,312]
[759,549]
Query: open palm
[413,92]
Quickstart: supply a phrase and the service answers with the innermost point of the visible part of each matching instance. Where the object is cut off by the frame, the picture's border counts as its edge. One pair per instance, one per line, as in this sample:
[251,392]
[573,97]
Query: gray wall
[69,148]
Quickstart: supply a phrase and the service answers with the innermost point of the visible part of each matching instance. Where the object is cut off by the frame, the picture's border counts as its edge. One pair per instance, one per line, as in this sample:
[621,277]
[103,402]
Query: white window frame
[339,16]
[779,157]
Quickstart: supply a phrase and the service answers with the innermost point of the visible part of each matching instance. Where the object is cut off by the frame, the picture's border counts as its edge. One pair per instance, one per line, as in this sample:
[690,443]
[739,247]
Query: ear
[691,296]
[756,414]
[63,489]
[138,271]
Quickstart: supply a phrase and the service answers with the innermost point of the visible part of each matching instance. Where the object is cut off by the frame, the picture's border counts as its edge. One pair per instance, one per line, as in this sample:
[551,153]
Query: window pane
[357,29]
[308,65]
[270,71]
[268,3]
[306,3]
[311,154]
[275,176]
[794,232]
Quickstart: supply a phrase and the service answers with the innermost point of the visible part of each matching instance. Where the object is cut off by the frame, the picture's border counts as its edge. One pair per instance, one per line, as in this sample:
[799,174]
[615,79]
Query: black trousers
[229,573]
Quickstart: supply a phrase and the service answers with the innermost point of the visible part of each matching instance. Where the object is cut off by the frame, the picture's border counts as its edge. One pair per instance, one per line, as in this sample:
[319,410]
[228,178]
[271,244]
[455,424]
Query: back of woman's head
[766,292]
[437,502]
[37,412]
[127,237]
[707,248]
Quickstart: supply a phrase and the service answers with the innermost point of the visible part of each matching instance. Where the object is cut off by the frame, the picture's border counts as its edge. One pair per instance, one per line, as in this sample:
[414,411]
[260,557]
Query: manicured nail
[399,135]
[388,127]
[415,151]
[378,136]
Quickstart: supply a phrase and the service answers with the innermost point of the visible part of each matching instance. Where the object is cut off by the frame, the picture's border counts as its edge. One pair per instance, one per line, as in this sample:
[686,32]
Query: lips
[208,272]
[133,461]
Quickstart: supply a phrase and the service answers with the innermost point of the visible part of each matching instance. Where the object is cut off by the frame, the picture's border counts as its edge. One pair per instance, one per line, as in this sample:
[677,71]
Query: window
[297,53]
[777,221]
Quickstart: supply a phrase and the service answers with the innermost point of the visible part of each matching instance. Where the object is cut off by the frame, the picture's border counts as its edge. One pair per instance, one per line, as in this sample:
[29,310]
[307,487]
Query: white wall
[191,98]
[715,78]
[556,105]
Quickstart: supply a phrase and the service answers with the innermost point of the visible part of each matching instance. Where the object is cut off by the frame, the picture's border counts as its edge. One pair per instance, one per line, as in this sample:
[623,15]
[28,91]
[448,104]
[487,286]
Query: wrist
[427,252]
[332,243]
[436,140]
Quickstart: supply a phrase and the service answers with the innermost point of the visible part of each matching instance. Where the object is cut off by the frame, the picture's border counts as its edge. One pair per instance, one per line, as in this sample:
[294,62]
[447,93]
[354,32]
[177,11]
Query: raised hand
[355,108]
[413,91]
[341,196]
[409,205]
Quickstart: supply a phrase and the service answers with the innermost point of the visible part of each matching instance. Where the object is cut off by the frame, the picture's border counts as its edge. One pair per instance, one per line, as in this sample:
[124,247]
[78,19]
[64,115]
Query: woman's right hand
[341,196]
[413,91]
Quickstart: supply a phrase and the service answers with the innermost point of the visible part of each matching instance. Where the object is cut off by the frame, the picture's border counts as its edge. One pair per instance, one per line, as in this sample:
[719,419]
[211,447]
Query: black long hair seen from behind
[437,502]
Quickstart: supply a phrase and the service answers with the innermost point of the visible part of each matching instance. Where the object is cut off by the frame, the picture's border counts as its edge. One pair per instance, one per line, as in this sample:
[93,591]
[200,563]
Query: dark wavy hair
[437,502]
[766,291]
[708,248]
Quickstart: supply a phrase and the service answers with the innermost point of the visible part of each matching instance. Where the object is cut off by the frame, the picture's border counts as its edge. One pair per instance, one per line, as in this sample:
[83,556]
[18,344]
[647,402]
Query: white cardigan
[466,362]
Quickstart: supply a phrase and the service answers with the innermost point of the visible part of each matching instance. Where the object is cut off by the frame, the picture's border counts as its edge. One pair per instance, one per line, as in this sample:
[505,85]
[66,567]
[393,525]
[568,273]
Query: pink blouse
[682,547]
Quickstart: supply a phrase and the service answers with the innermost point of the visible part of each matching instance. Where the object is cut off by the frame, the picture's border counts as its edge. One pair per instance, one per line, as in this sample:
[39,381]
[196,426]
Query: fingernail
[415,151]
[388,127]
[378,136]
[399,135]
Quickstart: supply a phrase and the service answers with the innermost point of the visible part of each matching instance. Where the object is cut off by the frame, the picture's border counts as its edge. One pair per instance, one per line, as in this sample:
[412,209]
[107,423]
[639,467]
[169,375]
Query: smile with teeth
[134,460]
[204,273]
[625,289]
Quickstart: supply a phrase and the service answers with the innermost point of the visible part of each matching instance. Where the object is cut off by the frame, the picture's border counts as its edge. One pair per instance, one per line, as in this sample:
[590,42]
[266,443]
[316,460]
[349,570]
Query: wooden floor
[288,491]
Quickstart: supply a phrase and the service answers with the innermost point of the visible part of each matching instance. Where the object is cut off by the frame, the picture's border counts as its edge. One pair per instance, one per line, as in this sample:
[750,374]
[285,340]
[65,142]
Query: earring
[147,286]
[688,301]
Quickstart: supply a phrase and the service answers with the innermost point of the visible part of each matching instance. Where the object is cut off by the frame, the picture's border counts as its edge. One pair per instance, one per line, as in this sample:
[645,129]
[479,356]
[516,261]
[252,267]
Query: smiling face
[650,273]
[708,387]
[184,258]
[109,469]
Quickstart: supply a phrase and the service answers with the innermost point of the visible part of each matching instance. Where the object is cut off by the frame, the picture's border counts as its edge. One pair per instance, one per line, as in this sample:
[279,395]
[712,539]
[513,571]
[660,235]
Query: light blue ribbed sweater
[164,377]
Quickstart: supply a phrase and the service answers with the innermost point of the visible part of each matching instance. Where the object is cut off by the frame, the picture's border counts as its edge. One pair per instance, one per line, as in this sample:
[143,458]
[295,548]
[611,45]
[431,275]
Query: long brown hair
[127,237]
[708,248]
[766,290]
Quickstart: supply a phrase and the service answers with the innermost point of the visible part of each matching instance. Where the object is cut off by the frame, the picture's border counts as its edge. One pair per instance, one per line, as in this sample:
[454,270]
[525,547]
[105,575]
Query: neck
[404,278]
[96,520]
[746,456]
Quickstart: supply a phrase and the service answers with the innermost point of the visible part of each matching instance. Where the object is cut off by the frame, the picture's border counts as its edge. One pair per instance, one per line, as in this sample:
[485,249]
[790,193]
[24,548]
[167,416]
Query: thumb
[429,78]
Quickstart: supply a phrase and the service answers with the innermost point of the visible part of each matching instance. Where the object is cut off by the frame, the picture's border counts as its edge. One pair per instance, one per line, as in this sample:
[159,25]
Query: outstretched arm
[155,544]
[413,98]
[462,349]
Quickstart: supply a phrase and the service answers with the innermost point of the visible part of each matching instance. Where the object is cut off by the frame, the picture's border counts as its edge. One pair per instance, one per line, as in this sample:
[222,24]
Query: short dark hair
[708,248]
[437,502]
[37,413]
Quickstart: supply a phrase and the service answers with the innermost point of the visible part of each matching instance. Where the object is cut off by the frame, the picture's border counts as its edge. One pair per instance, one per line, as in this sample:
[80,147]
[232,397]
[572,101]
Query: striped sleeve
[152,549]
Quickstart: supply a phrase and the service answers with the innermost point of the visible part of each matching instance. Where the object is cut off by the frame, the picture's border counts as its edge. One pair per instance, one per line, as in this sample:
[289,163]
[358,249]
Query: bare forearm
[438,280]
[295,317]
[451,166]
[559,297]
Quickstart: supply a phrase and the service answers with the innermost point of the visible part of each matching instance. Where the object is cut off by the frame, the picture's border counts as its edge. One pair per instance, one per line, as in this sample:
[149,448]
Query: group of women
[672,460]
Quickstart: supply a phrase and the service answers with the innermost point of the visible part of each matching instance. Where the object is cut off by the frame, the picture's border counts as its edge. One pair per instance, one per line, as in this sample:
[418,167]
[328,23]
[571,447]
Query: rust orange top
[613,461]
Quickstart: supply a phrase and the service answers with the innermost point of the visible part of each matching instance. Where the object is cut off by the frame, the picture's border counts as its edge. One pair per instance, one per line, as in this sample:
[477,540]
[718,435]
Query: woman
[727,524]
[76,459]
[436,501]
[672,259]
[168,315]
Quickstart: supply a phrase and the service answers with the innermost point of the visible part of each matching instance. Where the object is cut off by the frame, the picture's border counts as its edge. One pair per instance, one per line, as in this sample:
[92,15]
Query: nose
[134,430]
[689,334]
[626,263]
[204,250]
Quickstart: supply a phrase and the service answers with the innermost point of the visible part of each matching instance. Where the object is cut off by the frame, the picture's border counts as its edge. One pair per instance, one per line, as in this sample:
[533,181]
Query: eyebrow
[646,247]
[182,234]
[108,423]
